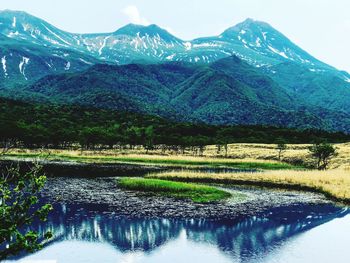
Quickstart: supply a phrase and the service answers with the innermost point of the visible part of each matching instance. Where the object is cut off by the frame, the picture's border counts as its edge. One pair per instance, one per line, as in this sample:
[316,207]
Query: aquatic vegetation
[195,192]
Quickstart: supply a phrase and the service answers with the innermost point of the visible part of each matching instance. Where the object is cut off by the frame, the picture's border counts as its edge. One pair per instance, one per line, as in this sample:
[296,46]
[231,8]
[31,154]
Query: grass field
[333,183]
[237,153]
[195,192]
[295,153]
[168,160]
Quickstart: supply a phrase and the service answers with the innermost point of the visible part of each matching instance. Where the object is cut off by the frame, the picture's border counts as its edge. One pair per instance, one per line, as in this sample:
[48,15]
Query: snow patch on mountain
[60,38]
[13,34]
[14,22]
[188,45]
[171,57]
[67,67]
[278,52]
[103,45]
[206,45]
[264,35]
[33,32]
[3,62]
[316,70]
[258,42]
[22,66]
[86,62]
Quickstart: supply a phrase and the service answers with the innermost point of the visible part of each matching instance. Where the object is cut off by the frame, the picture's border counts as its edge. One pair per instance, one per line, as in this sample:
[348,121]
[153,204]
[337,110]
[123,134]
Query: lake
[299,233]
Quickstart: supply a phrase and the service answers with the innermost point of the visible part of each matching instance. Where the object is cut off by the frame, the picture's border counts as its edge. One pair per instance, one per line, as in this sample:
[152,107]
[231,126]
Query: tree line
[39,125]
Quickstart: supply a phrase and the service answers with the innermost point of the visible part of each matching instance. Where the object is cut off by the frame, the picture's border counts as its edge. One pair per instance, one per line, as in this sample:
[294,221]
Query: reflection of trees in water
[246,237]
[68,223]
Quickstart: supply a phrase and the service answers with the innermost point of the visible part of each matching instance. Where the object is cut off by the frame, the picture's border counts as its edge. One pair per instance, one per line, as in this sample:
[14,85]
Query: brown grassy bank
[335,184]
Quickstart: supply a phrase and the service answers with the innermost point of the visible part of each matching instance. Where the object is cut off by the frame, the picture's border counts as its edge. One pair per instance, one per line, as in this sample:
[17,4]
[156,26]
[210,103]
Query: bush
[19,208]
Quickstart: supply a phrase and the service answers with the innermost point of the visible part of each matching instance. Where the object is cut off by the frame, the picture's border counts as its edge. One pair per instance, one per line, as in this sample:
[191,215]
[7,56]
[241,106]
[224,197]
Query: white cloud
[133,13]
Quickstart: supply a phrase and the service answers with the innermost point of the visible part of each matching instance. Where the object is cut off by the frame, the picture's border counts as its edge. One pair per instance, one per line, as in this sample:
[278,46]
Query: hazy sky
[321,27]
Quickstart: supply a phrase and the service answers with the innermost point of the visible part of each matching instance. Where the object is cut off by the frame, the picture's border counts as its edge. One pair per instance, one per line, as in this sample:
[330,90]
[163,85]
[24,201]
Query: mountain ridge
[260,69]
[75,39]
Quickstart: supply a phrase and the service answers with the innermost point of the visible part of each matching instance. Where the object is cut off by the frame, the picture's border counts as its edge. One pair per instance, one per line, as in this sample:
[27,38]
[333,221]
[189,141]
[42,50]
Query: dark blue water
[301,233]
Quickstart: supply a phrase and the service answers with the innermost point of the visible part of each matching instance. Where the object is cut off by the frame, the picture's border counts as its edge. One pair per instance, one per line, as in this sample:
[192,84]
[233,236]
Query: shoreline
[271,186]
[62,168]
[130,204]
[75,169]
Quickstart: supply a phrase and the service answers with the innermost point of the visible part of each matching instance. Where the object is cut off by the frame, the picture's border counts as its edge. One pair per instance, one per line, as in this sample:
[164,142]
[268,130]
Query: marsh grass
[168,160]
[238,152]
[195,192]
[333,183]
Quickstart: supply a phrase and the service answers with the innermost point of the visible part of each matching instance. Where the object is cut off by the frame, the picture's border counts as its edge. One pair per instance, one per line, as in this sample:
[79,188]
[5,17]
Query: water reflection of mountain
[252,236]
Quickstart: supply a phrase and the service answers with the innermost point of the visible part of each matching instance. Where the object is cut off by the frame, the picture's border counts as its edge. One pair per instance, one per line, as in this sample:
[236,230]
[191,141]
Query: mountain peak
[250,25]
[152,30]
[135,28]
[251,21]
[13,13]
[17,20]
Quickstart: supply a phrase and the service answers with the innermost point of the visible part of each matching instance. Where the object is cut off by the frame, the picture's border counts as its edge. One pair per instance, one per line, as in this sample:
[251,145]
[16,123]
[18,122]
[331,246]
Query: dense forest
[39,125]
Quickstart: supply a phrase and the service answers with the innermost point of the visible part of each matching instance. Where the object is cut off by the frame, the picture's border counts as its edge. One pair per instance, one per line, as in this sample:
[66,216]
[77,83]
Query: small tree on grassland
[281,147]
[323,153]
[19,208]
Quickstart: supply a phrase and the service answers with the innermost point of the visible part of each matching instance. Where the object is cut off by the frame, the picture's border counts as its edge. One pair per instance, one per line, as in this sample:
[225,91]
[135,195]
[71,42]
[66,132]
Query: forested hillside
[34,125]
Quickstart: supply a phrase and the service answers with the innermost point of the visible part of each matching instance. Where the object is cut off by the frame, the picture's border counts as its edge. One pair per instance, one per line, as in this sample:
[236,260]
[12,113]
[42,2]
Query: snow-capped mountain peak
[256,42]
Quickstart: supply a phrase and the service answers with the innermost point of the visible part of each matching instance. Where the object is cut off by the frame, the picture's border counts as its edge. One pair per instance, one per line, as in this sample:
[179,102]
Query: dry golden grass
[105,154]
[333,183]
[168,160]
[295,153]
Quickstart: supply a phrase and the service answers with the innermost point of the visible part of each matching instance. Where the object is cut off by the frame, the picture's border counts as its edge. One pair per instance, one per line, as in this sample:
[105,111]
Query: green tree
[224,137]
[148,138]
[281,147]
[19,208]
[323,153]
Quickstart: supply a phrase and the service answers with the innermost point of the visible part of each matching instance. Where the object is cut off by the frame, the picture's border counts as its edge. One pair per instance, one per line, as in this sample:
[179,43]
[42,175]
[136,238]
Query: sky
[321,27]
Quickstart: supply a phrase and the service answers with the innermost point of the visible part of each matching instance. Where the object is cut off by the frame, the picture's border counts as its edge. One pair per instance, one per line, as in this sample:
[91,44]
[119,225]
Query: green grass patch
[196,192]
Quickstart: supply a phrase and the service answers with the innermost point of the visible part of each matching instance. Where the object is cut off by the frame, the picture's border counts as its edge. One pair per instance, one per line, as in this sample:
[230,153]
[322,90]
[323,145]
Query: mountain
[133,87]
[185,92]
[128,44]
[256,42]
[249,74]
[23,62]
[25,59]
